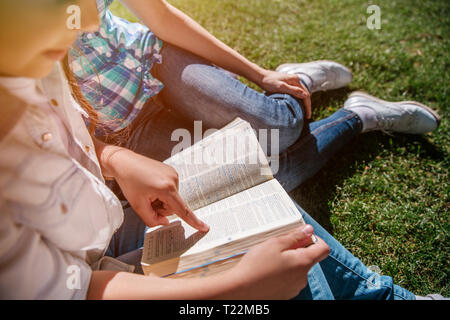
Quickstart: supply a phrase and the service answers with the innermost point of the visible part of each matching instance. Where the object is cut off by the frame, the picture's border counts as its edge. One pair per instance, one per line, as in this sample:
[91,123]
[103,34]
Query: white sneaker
[323,75]
[405,116]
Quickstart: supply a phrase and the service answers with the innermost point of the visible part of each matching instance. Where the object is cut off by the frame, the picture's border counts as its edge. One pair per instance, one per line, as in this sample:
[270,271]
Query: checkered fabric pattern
[112,67]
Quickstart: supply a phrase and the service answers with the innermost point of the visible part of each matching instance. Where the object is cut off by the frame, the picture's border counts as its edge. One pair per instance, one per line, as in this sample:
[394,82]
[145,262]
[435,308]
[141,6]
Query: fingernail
[308,230]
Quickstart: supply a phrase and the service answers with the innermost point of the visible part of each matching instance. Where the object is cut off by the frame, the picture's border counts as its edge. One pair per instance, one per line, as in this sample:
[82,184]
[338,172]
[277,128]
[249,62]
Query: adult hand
[278,268]
[277,82]
[151,187]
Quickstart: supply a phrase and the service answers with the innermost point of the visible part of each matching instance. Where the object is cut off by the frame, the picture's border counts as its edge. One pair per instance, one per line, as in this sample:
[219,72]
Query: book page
[256,210]
[222,164]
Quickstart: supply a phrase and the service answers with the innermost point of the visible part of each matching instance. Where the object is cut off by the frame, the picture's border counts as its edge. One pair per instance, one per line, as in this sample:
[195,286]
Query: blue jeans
[196,90]
[340,276]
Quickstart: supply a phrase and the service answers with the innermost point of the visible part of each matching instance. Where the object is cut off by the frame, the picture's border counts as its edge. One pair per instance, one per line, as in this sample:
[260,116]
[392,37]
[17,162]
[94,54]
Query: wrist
[111,159]
[257,74]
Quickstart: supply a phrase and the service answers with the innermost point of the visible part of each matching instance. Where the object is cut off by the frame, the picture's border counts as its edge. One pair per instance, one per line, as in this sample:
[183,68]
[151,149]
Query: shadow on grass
[316,194]
[321,100]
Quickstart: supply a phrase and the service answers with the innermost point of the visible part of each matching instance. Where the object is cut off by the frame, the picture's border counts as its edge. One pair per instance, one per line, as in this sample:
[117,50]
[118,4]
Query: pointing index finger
[184,212]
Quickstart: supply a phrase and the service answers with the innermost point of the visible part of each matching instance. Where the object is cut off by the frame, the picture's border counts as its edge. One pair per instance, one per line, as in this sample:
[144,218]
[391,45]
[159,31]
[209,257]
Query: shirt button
[54,102]
[89,36]
[108,54]
[139,69]
[46,136]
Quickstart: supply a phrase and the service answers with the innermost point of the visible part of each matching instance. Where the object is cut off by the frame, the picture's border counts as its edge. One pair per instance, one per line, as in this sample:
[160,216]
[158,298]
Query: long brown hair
[79,97]
[95,124]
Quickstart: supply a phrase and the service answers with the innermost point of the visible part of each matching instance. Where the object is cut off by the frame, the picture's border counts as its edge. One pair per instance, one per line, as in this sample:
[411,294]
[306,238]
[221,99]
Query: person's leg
[317,287]
[361,113]
[320,141]
[342,276]
[199,91]
[151,133]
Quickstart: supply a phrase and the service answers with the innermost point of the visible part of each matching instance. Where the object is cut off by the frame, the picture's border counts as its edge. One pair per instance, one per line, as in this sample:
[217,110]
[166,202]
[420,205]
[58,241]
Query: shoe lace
[386,124]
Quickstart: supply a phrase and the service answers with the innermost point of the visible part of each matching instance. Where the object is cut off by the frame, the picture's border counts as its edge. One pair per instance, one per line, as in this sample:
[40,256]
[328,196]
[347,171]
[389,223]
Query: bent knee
[293,121]
[289,134]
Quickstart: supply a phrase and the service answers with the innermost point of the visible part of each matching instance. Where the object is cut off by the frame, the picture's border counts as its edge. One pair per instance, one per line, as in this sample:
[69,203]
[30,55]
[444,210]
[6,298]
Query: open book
[226,180]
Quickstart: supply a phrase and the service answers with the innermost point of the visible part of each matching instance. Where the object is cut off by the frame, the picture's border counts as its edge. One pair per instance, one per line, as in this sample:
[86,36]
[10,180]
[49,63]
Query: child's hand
[277,268]
[145,182]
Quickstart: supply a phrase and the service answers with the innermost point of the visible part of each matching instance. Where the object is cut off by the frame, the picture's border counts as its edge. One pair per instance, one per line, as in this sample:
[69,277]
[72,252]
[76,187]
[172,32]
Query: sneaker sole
[434,113]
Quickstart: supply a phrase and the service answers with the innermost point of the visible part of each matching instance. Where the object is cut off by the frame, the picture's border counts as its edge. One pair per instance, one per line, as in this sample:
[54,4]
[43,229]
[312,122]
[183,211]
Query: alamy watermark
[374,20]
[374,281]
[230,146]
[73,22]
[73,281]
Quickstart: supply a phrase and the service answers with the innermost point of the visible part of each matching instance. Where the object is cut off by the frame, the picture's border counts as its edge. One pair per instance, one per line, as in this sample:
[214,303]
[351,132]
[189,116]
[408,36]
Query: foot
[405,116]
[319,75]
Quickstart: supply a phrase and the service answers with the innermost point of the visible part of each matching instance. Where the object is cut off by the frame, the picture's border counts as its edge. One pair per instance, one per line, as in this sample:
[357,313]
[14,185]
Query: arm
[274,269]
[130,286]
[33,268]
[174,26]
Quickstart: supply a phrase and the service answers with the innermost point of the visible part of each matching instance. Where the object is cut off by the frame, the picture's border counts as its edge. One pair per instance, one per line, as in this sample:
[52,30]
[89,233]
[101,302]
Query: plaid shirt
[112,67]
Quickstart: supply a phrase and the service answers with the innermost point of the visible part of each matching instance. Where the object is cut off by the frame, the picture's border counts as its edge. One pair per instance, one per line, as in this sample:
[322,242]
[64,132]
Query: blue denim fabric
[343,276]
[340,276]
[318,143]
[195,90]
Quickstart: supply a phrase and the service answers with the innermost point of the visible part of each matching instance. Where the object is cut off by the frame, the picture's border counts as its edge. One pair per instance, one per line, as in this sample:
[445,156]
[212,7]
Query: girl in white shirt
[57,216]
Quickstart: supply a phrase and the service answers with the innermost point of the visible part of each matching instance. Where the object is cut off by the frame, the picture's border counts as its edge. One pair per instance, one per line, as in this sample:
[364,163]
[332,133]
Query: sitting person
[143,89]
[57,214]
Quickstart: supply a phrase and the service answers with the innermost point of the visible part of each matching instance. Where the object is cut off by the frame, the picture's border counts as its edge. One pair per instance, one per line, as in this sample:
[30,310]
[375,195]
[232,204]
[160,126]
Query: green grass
[385,198]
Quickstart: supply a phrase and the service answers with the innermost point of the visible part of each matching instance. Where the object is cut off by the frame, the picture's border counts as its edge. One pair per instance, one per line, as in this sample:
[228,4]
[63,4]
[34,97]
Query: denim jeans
[340,276]
[196,90]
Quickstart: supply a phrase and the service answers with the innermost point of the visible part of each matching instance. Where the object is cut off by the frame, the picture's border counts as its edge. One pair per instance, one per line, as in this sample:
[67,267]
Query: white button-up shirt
[56,214]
